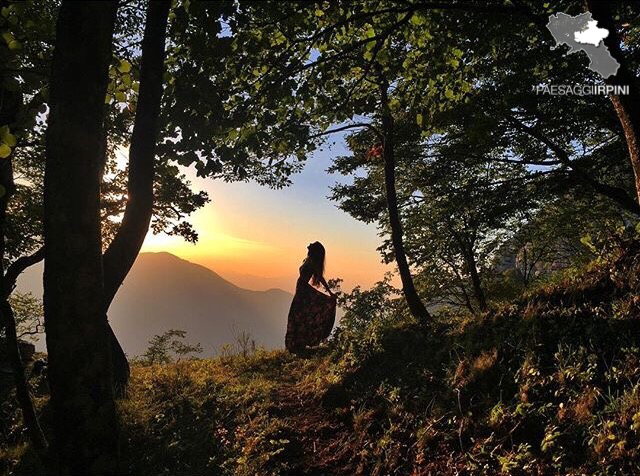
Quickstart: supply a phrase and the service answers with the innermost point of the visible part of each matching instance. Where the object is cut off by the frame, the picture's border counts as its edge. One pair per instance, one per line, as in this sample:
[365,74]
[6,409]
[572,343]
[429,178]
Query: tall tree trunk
[478,291]
[79,368]
[627,107]
[123,250]
[417,308]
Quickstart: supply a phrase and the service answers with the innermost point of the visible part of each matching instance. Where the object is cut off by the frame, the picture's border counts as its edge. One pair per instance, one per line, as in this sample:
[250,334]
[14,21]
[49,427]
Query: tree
[163,347]
[30,26]
[28,315]
[79,369]
[626,106]
[13,114]
[414,302]
[455,210]
[79,357]
[303,93]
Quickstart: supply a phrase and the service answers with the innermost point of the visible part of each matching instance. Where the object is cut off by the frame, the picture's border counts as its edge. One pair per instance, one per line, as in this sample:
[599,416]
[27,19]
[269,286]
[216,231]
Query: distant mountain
[165,292]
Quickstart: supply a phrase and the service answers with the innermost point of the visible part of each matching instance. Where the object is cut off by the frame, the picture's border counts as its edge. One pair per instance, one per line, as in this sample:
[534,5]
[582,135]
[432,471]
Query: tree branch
[617,194]
[17,267]
[123,250]
[356,125]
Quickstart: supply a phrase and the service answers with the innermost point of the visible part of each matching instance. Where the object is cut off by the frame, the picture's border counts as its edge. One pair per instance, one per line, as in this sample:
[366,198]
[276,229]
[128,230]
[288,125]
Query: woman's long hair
[315,258]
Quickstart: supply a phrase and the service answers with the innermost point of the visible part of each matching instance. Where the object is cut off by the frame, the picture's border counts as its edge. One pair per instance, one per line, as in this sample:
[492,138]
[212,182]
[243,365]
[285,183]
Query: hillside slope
[548,384]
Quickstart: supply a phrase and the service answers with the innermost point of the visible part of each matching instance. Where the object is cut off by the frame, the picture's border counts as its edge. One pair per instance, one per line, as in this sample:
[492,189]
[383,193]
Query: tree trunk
[417,308]
[123,250]
[120,370]
[627,107]
[23,394]
[478,291]
[79,367]
[467,299]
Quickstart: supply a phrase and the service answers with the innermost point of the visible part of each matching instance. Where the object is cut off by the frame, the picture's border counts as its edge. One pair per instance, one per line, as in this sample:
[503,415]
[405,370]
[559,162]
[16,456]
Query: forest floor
[546,384]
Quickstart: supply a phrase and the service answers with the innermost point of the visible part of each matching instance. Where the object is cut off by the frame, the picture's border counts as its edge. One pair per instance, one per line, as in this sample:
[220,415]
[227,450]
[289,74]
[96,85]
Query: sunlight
[211,243]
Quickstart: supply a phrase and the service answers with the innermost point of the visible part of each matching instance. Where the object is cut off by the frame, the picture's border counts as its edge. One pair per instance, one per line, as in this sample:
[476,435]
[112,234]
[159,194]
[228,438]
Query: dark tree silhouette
[627,107]
[416,306]
[84,416]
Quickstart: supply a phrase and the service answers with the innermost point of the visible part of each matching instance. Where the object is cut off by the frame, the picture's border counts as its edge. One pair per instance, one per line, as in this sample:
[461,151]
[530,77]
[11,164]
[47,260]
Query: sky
[257,237]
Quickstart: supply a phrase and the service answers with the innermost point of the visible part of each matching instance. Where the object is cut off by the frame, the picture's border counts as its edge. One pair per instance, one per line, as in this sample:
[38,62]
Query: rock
[27,351]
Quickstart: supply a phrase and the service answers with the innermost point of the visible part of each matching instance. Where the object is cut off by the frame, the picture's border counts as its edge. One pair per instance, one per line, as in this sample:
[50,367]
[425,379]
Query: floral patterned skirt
[311,318]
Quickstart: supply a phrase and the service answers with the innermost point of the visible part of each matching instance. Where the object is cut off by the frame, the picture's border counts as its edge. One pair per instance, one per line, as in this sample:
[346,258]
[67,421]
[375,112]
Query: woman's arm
[326,286]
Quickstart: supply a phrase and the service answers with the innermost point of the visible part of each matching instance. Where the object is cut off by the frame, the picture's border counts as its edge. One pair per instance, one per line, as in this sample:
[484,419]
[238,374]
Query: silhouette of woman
[312,313]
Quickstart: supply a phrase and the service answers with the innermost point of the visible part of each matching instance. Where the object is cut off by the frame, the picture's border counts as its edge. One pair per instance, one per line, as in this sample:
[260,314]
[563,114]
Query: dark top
[306,271]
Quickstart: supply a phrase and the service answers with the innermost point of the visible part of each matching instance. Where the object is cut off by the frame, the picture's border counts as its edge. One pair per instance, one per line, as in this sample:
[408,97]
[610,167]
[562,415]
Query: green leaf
[278,39]
[417,19]
[5,151]
[419,119]
[124,66]
[10,140]
[588,242]
[370,32]
[8,37]
[7,137]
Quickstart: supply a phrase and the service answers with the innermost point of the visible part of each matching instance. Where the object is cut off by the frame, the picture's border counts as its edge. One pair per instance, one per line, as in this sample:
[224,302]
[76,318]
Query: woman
[312,312]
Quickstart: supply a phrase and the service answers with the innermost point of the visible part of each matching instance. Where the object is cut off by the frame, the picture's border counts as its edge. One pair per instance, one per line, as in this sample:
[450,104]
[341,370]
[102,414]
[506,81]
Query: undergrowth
[546,384]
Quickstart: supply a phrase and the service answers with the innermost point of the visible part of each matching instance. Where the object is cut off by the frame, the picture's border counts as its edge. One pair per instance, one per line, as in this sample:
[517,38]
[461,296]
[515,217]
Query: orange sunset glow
[257,237]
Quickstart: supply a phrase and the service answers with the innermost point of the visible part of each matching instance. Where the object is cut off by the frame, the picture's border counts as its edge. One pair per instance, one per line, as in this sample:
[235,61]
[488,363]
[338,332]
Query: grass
[234,415]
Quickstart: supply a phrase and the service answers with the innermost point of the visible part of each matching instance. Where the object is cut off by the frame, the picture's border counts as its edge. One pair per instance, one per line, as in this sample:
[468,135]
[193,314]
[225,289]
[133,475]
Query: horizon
[245,237]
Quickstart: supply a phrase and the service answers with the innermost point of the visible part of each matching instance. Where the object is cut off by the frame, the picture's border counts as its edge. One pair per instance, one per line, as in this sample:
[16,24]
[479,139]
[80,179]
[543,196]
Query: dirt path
[320,436]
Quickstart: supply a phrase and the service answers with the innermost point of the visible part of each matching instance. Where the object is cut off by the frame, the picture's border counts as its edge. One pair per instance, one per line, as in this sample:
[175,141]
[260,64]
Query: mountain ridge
[163,291]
